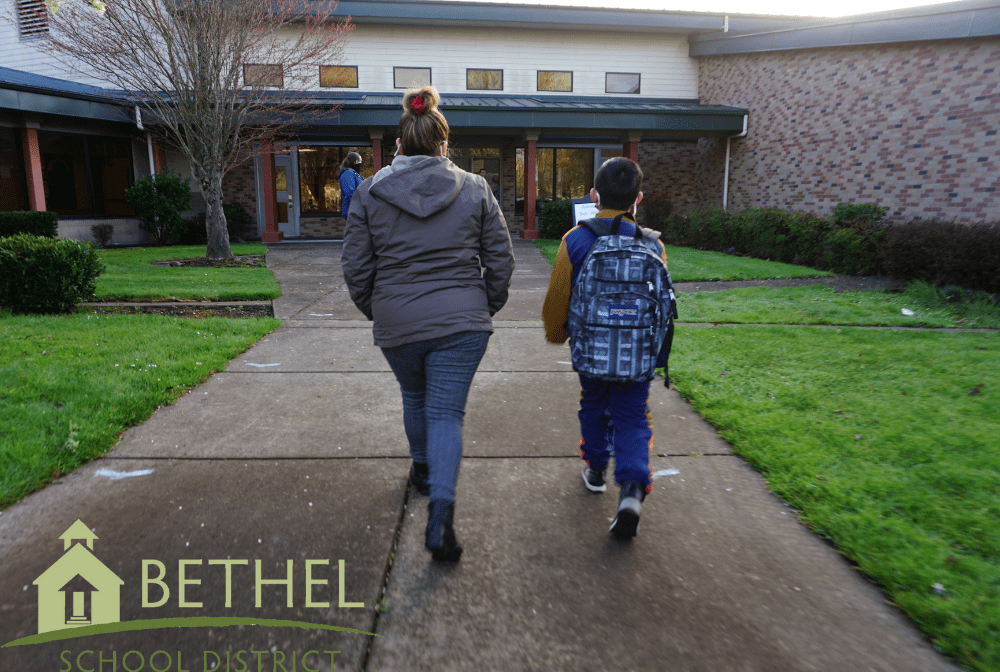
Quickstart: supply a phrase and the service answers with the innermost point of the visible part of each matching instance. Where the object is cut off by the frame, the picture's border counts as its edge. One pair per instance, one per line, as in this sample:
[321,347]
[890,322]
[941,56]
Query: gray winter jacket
[426,251]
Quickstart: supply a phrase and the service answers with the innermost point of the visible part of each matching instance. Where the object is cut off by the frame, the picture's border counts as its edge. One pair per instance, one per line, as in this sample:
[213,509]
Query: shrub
[46,275]
[656,214]
[845,213]
[944,253]
[158,201]
[103,233]
[239,225]
[239,222]
[556,219]
[34,223]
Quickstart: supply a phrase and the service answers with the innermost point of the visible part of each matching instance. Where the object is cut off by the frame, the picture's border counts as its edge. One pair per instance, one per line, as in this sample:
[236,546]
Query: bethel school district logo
[78,589]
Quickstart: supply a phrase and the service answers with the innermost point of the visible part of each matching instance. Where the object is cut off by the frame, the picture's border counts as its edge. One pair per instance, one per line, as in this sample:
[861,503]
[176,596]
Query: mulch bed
[238,261]
[181,309]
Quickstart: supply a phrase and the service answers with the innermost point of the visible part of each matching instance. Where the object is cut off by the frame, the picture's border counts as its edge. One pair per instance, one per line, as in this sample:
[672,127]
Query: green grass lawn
[886,442]
[131,277]
[71,384]
[687,265]
[821,305]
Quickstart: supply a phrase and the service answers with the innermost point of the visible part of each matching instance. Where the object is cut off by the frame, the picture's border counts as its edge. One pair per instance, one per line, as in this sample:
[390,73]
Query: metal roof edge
[498,15]
[955,20]
[19,80]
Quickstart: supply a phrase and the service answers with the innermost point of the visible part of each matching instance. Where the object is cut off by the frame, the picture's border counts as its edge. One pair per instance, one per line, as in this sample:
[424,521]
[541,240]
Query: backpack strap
[601,228]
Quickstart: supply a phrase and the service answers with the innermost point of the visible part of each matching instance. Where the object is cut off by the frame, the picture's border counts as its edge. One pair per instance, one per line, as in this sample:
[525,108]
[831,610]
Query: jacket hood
[419,185]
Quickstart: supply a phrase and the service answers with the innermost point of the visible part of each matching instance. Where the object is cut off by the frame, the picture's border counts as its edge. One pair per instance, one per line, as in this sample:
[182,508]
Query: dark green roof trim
[36,94]
[578,113]
[955,20]
[502,15]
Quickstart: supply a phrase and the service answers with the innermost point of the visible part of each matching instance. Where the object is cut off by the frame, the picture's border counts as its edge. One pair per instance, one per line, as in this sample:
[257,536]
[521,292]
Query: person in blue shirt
[350,178]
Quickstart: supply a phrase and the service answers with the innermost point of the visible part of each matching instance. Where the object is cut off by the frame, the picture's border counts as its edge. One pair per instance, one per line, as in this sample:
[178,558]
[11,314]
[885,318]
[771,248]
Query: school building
[896,108]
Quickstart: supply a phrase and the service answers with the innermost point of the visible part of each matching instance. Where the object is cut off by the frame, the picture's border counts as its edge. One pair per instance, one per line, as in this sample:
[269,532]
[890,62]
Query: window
[259,74]
[319,176]
[13,190]
[488,80]
[32,18]
[621,82]
[410,78]
[86,176]
[554,80]
[563,173]
[341,76]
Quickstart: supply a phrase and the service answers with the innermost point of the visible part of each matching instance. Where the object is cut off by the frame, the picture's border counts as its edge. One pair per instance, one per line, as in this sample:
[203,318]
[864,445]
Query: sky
[793,7]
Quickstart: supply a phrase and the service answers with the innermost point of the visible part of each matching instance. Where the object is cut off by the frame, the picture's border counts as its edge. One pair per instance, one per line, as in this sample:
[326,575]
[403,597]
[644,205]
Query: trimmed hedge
[854,241]
[848,246]
[46,275]
[945,253]
[34,223]
[555,219]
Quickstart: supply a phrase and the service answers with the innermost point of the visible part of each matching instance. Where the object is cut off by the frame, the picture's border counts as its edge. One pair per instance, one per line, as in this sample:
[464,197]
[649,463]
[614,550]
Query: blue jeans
[434,377]
[616,416]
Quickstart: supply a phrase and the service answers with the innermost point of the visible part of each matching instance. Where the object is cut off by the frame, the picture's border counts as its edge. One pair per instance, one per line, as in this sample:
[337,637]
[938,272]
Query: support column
[630,145]
[159,156]
[270,196]
[530,185]
[33,170]
[376,136]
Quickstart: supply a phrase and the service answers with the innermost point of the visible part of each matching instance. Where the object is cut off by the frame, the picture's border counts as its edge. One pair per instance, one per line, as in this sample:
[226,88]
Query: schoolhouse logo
[78,589]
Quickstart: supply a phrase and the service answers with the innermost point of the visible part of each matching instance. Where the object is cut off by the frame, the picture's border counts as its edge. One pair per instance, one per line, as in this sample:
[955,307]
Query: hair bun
[421,101]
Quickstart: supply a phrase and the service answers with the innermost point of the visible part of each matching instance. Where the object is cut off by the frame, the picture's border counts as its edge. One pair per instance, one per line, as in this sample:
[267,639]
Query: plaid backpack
[622,309]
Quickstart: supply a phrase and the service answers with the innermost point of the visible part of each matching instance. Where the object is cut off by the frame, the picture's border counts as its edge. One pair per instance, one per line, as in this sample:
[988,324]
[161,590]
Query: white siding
[662,60]
[26,55]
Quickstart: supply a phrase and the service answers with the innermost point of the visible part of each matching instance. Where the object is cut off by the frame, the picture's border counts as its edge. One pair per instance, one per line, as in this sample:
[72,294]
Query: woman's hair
[422,127]
[352,160]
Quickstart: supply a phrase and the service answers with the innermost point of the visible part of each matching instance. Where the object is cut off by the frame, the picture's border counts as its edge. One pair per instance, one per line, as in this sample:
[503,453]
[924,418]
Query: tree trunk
[215,220]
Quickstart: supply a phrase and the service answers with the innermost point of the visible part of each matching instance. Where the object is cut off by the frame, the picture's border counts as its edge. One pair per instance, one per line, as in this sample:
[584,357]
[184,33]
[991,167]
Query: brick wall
[685,174]
[912,127]
[238,187]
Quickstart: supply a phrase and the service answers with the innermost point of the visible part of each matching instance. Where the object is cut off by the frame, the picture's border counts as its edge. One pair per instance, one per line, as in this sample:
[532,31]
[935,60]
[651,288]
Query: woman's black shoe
[440,537]
[418,478]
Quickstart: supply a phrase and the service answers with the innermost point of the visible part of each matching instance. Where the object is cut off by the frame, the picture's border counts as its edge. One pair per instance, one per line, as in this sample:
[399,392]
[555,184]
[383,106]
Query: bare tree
[220,78]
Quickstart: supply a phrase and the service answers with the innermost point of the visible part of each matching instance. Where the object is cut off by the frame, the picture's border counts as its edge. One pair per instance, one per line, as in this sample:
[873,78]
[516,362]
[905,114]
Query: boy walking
[613,413]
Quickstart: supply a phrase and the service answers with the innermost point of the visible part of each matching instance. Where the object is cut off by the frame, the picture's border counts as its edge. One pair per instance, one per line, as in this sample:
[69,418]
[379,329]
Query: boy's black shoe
[418,478]
[626,523]
[594,479]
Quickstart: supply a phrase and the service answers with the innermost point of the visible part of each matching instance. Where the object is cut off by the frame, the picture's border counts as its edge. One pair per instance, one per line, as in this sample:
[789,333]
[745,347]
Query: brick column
[530,186]
[33,170]
[270,196]
[376,136]
[159,157]
[630,150]
[630,145]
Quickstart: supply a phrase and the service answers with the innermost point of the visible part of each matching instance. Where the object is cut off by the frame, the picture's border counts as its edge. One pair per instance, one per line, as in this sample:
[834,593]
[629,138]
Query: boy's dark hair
[618,182]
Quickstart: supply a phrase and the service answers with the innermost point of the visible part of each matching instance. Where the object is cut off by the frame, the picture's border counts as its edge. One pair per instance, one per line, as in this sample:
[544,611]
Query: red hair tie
[417,104]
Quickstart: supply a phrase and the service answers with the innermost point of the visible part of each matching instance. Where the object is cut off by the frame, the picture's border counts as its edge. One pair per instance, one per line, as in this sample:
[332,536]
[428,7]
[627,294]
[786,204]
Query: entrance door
[286,191]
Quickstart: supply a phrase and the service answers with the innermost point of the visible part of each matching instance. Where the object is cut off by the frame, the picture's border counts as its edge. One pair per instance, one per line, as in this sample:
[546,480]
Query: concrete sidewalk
[296,452]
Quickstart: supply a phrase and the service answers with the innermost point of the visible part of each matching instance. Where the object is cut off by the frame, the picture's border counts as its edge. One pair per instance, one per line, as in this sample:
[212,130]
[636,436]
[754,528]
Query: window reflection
[319,176]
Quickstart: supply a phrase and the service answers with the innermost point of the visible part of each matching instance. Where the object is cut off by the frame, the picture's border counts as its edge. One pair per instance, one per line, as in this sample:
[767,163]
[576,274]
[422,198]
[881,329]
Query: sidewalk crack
[379,604]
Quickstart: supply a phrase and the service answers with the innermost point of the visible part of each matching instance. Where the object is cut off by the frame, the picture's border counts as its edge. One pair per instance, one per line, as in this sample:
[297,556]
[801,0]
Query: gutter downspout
[149,148]
[725,181]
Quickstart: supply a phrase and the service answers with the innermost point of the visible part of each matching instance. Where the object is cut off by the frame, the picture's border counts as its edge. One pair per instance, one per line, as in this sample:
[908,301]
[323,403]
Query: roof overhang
[578,115]
[27,93]
[953,20]
[520,16]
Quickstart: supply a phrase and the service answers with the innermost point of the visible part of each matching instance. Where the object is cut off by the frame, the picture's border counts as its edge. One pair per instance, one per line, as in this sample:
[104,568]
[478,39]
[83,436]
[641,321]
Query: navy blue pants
[434,377]
[615,417]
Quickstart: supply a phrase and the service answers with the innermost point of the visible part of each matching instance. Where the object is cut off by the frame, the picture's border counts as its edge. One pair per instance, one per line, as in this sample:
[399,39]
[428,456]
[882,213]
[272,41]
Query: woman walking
[350,178]
[427,257]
